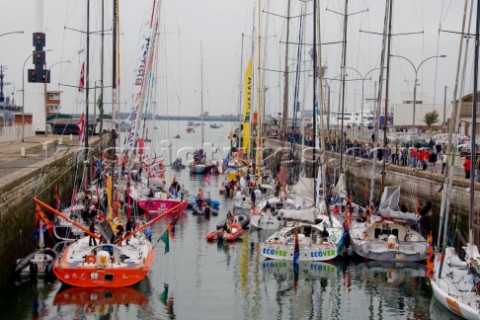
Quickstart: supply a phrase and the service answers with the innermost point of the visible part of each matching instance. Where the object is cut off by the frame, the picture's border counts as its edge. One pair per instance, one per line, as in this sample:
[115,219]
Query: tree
[431,118]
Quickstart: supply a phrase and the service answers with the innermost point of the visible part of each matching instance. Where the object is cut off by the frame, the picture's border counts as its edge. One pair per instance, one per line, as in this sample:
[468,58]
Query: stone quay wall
[17,208]
[416,185]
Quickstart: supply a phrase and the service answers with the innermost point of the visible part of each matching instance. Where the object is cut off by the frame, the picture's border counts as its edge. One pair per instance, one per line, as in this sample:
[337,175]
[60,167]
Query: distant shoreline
[123,116]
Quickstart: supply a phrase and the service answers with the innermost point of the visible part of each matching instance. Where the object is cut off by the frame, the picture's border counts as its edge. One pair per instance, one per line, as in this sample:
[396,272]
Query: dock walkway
[39,150]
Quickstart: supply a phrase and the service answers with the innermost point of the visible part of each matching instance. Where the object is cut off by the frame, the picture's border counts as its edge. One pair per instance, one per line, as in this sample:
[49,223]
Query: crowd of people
[432,157]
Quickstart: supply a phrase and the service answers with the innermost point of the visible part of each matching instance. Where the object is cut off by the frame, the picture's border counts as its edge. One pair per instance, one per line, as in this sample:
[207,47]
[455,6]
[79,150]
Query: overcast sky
[219,25]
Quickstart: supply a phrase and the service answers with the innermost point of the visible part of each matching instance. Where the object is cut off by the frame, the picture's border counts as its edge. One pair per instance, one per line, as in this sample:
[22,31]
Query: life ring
[91,259]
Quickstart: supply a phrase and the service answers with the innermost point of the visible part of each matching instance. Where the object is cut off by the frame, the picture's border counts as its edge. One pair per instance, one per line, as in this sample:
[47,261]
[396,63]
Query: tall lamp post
[416,79]
[23,92]
[45,87]
[363,78]
[328,82]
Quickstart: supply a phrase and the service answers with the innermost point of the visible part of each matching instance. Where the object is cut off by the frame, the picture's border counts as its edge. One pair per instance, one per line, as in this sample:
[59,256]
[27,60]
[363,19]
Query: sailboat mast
[201,91]
[344,64]
[444,207]
[259,93]
[323,157]
[102,68]
[114,57]
[385,141]
[87,82]
[114,81]
[388,4]
[314,99]
[240,91]
[285,89]
[473,146]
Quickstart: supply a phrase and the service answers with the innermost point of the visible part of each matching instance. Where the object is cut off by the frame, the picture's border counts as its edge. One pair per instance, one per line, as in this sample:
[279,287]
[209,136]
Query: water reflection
[94,299]
[26,300]
[167,301]
[398,286]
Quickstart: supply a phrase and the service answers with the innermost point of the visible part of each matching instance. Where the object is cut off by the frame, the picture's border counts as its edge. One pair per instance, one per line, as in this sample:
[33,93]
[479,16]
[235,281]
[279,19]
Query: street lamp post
[45,88]
[363,78]
[11,32]
[329,81]
[23,92]
[416,69]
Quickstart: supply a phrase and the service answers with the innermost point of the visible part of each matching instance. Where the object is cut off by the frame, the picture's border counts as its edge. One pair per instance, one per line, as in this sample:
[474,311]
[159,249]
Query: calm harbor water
[201,280]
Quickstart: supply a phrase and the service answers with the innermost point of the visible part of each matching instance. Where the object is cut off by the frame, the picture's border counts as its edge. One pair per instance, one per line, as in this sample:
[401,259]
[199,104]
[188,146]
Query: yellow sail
[246,106]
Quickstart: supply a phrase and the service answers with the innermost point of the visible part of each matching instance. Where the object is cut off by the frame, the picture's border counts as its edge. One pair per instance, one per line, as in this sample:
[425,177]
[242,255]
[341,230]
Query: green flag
[164,237]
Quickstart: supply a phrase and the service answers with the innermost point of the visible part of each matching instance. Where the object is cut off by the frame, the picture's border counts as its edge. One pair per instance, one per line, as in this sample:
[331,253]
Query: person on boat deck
[336,210]
[466,167]
[104,203]
[119,233]
[268,206]
[325,234]
[129,227]
[253,197]
[362,216]
[282,195]
[86,210]
[92,241]
[277,190]
[148,233]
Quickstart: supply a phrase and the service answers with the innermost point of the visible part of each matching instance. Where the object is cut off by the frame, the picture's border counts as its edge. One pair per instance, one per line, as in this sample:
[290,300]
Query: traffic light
[32,75]
[45,76]
[39,41]
[39,59]
[39,74]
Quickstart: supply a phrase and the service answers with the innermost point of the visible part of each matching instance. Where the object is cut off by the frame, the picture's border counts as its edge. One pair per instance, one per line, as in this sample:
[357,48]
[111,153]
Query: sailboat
[107,257]
[200,165]
[455,282]
[320,236]
[110,263]
[393,235]
[390,236]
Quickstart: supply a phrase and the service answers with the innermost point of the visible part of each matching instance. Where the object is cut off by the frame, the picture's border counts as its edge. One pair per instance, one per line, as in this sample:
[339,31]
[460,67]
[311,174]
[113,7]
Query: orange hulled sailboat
[107,263]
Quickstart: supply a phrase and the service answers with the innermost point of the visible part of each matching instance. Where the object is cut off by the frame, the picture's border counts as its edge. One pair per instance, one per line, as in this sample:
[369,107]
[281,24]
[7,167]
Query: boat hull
[86,276]
[242,219]
[456,289]
[370,240]
[266,222]
[157,205]
[201,168]
[388,255]
[217,235]
[453,304]
[43,260]
[308,252]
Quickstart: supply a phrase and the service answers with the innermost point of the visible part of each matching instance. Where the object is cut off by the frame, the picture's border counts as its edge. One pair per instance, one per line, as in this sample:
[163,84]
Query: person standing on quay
[432,159]
[444,161]
[477,167]
[466,167]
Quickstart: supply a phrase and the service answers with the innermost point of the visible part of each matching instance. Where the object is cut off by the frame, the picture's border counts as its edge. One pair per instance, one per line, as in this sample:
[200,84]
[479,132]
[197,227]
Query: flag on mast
[81,128]
[165,238]
[81,84]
